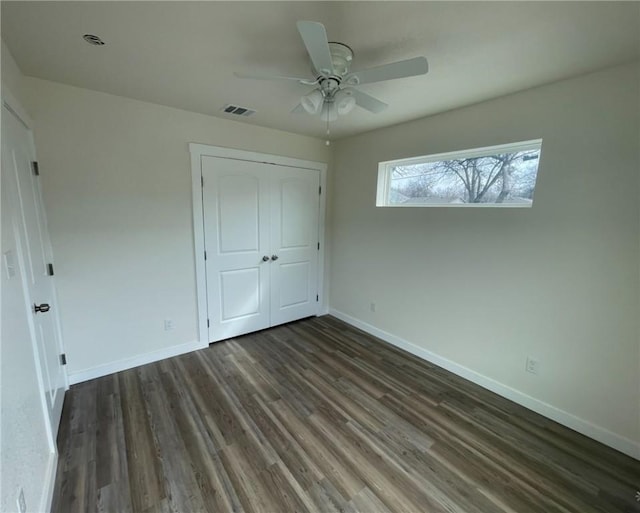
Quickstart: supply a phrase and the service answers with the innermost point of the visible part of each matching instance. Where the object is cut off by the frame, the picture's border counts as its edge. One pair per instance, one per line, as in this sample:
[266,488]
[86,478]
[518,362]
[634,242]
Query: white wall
[117,188]
[484,288]
[25,452]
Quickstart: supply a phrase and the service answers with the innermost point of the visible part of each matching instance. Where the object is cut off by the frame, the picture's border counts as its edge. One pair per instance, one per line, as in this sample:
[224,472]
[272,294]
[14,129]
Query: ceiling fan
[335,84]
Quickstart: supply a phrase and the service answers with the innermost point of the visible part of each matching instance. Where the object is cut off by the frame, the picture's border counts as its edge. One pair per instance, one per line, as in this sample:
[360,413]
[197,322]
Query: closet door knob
[265,258]
[274,257]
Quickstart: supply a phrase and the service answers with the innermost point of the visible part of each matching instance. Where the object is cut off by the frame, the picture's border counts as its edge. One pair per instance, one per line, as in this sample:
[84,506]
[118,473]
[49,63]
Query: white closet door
[294,243]
[235,196]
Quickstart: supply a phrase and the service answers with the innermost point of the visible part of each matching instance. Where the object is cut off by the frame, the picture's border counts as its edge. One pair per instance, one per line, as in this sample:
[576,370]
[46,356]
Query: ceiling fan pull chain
[327,141]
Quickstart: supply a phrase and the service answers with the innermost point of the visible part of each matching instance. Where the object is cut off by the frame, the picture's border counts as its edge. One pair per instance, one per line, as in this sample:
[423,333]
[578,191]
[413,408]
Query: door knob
[274,257]
[265,258]
[43,308]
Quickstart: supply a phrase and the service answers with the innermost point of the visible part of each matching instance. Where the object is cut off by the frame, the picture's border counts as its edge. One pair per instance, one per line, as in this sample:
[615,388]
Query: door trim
[202,150]
[14,106]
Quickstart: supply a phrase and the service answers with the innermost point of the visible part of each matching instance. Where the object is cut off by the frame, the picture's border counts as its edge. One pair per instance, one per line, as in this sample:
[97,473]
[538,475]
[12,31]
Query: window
[498,176]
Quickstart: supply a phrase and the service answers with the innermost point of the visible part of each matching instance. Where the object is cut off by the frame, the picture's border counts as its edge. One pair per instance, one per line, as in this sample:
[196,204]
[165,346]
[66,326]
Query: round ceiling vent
[93,39]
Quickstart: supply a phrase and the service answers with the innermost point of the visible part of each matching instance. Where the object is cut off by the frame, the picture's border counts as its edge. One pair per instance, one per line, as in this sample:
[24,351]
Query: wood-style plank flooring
[317,416]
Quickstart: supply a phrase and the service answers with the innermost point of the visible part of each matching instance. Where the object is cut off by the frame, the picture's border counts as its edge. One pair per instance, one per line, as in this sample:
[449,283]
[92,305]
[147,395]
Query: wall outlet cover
[533,365]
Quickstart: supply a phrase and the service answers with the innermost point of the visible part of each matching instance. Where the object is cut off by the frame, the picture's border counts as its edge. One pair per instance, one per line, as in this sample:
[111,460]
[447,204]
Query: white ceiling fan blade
[298,109]
[400,69]
[266,76]
[314,36]
[368,102]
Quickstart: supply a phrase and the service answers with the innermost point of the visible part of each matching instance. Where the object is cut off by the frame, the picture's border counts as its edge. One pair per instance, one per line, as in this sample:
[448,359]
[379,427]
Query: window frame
[384,173]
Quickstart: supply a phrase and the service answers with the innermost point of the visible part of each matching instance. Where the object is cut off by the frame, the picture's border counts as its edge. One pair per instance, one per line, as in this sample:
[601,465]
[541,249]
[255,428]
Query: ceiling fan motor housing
[341,57]
[329,86]
[336,100]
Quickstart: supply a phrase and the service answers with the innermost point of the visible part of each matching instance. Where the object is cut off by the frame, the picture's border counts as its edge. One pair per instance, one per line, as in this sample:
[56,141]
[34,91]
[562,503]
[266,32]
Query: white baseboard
[609,438]
[134,361]
[49,483]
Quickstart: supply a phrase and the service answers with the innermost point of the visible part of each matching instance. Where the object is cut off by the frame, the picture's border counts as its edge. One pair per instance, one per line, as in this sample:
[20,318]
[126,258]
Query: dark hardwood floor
[318,416]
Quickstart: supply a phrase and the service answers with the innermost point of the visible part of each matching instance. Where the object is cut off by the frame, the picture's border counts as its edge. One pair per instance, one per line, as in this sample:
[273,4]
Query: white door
[236,229]
[294,243]
[35,258]
[261,242]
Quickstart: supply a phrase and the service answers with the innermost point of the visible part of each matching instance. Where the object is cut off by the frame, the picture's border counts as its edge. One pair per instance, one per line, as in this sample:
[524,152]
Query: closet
[261,231]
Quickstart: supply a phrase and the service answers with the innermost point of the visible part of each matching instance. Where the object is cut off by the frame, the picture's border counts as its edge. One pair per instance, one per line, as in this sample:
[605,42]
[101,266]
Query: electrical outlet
[169,325]
[372,306]
[533,365]
[22,503]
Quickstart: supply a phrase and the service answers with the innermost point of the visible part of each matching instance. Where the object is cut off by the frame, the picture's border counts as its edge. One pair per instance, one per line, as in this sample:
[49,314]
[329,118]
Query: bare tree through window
[503,177]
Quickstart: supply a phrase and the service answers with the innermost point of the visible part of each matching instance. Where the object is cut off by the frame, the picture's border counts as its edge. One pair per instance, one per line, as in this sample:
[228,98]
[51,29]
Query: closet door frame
[198,151]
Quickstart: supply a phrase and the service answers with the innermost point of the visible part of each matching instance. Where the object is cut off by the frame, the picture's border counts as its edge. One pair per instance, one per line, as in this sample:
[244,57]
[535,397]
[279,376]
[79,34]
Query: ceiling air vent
[93,39]
[238,111]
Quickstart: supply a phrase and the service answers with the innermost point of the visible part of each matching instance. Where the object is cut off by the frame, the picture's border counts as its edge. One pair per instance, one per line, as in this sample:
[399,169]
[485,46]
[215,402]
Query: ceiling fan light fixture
[329,112]
[344,102]
[312,102]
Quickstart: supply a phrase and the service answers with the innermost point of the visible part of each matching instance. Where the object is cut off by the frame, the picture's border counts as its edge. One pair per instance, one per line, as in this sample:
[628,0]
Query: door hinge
[208,325]
[63,359]
[36,169]
[318,246]
[50,269]
[320,190]
[317,297]
[205,255]
[201,181]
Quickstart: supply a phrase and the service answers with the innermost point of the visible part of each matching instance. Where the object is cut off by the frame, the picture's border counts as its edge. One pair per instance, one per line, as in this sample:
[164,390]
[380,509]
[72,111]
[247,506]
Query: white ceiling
[183,54]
